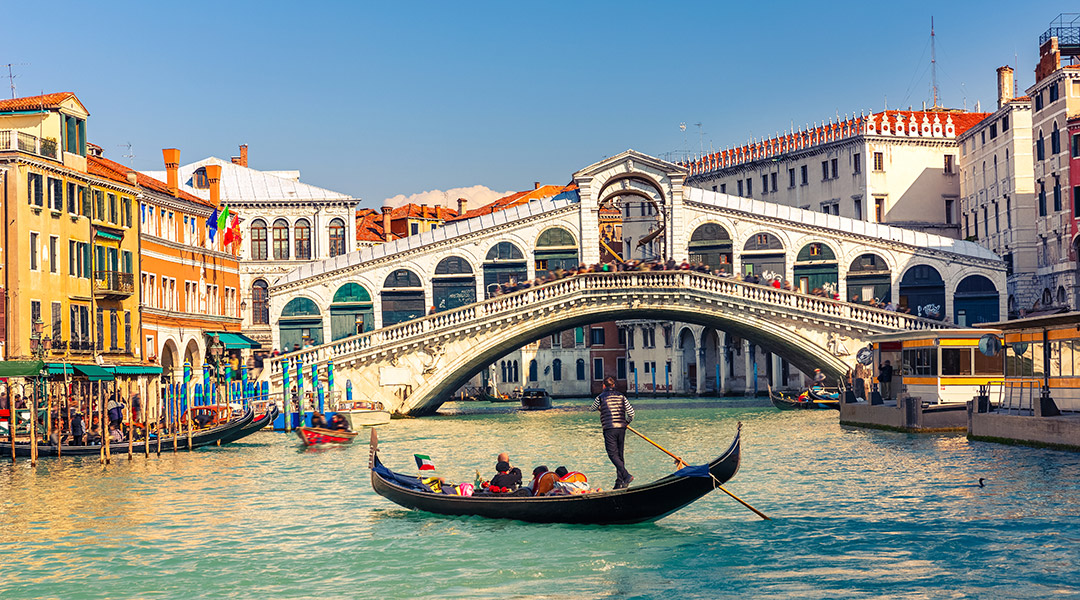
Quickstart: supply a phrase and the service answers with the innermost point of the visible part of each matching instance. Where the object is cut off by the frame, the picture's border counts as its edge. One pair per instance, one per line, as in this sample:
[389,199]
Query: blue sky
[379,99]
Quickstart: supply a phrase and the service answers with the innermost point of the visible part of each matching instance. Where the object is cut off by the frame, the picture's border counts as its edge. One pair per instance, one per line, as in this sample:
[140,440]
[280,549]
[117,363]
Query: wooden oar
[681,463]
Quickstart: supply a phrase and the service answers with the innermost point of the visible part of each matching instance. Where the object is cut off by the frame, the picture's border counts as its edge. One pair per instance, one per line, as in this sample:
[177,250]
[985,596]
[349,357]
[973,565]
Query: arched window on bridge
[868,279]
[453,284]
[302,233]
[337,237]
[351,311]
[580,369]
[976,301]
[258,240]
[816,268]
[534,371]
[556,370]
[922,291]
[763,256]
[710,244]
[281,239]
[300,324]
[260,308]
[556,249]
[504,263]
[402,297]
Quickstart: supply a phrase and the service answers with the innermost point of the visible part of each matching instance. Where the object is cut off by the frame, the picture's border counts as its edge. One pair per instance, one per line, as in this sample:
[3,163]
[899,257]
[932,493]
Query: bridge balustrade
[516,303]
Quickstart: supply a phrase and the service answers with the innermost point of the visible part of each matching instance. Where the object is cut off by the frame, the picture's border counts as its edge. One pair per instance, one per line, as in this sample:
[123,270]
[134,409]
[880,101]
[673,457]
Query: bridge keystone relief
[413,363]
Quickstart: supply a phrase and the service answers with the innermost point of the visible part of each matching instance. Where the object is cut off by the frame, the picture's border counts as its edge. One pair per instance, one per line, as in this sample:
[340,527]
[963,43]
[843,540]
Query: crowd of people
[74,422]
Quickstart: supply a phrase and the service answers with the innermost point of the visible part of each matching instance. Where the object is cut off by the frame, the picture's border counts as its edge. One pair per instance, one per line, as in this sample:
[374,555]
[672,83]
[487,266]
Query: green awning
[236,341]
[21,368]
[134,370]
[107,235]
[94,373]
[60,369]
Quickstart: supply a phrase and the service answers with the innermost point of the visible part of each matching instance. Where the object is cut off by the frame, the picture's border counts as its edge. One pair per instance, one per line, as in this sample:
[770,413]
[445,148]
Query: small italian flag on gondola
[423,462]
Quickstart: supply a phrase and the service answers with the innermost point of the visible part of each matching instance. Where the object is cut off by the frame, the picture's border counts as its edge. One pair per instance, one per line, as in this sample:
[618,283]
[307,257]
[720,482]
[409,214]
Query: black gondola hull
[198,440]
[630,505]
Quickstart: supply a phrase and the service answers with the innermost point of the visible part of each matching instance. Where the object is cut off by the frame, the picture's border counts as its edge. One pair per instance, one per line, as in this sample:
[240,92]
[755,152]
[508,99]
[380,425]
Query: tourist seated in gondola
[203,418]
[569,482]
[318,421]
[506,479]
[116,434]
[338,423]
[78,429]
[543,481]
[58,437]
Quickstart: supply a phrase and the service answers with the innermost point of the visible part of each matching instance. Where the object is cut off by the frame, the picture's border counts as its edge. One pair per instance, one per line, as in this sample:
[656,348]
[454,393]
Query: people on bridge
[616,413]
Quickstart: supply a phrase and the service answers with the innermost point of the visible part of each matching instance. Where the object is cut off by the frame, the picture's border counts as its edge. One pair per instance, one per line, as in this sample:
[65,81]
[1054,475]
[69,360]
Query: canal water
[856,514]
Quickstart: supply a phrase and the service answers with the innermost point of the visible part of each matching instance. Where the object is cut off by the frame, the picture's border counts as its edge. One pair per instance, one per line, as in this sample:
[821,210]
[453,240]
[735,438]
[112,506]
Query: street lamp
[39,345]
[217,350]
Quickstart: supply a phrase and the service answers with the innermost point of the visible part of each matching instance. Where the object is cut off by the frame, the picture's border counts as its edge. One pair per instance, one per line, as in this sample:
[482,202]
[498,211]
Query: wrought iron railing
[25,142]
[114,282]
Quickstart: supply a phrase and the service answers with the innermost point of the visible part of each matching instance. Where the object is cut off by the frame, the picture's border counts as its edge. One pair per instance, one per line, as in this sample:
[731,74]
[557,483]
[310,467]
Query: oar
[681,463]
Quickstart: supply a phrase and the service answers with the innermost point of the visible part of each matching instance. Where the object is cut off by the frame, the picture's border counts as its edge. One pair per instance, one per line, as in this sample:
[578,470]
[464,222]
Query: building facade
[1055,97]
[997,192]
[896,167]
[286,224]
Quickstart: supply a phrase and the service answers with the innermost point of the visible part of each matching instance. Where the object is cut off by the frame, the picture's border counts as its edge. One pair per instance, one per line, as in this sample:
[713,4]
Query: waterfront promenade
[856,514]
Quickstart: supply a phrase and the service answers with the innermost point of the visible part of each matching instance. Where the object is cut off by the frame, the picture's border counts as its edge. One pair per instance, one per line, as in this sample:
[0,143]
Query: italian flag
[423,462]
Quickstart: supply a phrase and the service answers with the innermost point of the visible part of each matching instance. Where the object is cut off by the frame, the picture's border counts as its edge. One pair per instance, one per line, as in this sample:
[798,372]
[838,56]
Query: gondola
[628,505]
[804,402]
[256,424]
[317,436]
[199,439]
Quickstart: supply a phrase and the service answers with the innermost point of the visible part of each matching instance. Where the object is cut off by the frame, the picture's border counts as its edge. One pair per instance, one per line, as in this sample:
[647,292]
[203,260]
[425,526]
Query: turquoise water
[856,514]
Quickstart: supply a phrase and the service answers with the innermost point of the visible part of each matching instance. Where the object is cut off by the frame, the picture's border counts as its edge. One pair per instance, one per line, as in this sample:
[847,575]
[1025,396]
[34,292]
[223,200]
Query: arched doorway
[300,324]
[260,305]
[816,268]
[453,284]
[868,279]
[976,301]
[351,311]
[402,297]
[710,244]
[504,263]
[688,361]
[632,215]
[556,249]
[922,292]
[763,256]
[170,358]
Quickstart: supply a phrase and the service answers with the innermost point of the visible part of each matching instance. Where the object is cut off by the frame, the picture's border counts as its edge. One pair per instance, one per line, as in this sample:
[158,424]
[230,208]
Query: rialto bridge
[633,206]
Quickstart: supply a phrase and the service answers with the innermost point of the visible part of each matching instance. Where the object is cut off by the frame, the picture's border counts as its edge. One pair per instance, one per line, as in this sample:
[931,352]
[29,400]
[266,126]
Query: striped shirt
[615,409]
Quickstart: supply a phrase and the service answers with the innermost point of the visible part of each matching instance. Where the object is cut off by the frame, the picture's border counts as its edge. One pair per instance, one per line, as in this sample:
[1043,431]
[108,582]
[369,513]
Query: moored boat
[535,399]
[804,401]
[199,438]
[317,436]
[628,505]
[362,413]
[256,424]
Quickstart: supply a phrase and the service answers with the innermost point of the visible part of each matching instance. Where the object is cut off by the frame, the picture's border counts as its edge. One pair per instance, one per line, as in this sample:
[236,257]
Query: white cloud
[477,196]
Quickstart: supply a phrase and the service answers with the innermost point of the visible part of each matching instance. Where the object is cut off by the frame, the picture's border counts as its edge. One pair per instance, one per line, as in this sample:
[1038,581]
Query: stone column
[677,238]
[778,372]
[589,233]
[721,357]
[748,387]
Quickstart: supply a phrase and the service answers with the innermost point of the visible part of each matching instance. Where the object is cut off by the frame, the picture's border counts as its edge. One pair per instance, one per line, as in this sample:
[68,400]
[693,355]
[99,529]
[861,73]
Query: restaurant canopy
[134,370]
[21,368]
[236,341]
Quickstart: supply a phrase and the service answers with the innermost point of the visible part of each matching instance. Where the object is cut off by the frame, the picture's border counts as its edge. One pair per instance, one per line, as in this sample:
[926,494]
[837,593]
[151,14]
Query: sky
[422,100]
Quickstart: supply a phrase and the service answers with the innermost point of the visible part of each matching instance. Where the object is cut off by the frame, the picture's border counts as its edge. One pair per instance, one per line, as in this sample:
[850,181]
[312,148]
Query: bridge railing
[630,281]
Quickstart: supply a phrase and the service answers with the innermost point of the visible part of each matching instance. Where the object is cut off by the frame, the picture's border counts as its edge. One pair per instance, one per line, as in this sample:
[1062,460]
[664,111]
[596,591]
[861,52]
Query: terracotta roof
[369,225]
[103,167]
[516,199]
[35,102]
[415,211]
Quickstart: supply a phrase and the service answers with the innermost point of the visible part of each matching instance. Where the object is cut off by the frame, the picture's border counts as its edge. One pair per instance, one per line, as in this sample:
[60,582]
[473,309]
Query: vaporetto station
[413,361]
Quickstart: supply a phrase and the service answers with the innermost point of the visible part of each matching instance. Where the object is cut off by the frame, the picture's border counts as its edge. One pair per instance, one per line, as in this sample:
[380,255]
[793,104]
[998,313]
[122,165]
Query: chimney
[536,185]
[423,211]
[1005,85]
[172,163]
[386,222]
[243,155]
[462,206]
[213,176]
[235,160]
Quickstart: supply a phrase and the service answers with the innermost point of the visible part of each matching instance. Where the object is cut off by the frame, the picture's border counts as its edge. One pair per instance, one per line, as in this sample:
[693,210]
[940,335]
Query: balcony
[11,140]
[113,284]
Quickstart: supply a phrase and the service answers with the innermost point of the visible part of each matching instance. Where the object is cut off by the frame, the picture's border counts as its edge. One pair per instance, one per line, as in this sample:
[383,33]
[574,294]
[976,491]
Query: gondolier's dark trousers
[614,441]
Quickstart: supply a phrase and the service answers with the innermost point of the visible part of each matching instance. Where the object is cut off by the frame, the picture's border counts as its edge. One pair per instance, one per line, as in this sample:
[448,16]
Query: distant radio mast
[12,75]
[933,63]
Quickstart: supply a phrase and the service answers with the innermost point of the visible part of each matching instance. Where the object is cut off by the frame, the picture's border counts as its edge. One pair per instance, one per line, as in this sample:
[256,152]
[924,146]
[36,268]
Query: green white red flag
[423,462]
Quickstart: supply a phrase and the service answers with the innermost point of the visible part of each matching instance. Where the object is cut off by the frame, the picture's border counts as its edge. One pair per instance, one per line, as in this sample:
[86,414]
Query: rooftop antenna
[686,146]
[1016,90]
[130,155]
[701,139]
[933,63]
[12,75]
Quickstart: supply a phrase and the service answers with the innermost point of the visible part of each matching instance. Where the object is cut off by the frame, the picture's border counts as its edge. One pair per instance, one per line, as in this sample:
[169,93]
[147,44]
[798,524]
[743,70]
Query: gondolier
[615,414]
